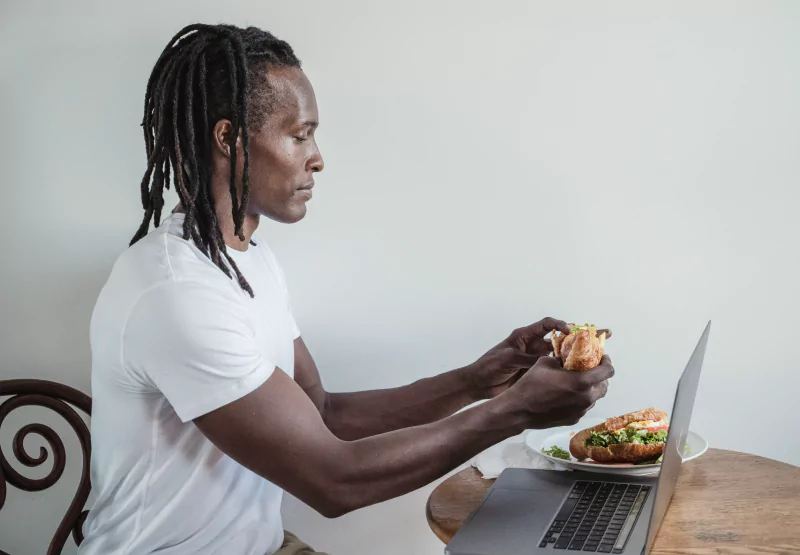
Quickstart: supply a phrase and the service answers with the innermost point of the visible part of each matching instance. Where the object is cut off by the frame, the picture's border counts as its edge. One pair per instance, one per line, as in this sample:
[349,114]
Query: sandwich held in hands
[581,349]
[631,438]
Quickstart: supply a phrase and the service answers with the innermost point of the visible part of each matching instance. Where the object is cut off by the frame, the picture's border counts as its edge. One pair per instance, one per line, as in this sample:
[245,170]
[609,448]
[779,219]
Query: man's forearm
[279,433]
[389,465]
[352,416]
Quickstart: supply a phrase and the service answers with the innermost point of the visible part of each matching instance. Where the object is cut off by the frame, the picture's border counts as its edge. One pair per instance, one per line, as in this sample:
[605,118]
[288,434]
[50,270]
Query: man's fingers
[600,373]
[550,362]
[599,391]
[551,324]
[604,330]
[543,327]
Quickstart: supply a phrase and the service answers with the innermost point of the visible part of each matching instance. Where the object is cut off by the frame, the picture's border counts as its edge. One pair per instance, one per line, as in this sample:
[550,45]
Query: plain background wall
[487,164]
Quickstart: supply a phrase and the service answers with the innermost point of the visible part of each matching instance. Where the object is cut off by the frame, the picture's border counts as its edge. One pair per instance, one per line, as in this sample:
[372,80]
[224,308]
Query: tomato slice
[657,429]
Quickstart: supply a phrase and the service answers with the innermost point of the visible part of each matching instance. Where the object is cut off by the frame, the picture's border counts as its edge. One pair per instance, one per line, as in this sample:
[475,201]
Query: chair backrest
[60,399]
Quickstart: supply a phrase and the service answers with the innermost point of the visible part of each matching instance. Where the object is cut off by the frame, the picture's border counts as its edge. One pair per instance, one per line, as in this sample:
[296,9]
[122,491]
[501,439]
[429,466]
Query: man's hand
[553,396]
[503,365]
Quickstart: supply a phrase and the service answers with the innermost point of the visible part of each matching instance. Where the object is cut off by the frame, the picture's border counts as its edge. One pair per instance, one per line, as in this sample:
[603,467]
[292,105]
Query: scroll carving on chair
[63,400]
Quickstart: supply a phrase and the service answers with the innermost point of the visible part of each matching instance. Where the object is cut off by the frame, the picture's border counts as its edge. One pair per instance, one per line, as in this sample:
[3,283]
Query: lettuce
[626,435]
[657,461]
[557,452]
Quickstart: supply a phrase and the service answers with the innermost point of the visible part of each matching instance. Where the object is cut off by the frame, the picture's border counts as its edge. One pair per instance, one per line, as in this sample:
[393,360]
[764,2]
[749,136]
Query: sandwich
[581,349]
[635,437]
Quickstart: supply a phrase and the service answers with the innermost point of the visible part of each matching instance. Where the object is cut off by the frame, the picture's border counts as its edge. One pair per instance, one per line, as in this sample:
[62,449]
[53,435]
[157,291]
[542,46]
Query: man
[207,403]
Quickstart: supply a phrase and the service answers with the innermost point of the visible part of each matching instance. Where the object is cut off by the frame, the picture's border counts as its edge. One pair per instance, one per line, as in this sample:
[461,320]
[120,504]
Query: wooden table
[725,503]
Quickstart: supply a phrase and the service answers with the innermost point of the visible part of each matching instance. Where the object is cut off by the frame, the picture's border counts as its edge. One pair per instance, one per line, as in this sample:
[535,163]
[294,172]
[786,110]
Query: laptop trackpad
[510,522]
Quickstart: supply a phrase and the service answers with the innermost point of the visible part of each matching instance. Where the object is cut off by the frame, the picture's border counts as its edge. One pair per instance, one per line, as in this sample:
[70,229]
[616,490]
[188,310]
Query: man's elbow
[340,496]
[333,509]
[333,505]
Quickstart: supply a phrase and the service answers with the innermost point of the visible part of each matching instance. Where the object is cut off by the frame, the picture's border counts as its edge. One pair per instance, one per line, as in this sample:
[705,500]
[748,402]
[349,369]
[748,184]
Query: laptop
[547,512]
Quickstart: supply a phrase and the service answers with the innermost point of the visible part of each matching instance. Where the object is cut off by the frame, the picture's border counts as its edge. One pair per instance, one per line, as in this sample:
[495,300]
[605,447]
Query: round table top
[724,502]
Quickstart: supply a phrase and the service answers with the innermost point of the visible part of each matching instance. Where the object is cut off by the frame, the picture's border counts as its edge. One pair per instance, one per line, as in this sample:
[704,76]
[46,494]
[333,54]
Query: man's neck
[225,220]
[249,226]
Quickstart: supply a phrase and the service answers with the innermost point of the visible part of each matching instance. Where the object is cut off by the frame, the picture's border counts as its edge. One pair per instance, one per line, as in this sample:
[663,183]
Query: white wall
[488,164]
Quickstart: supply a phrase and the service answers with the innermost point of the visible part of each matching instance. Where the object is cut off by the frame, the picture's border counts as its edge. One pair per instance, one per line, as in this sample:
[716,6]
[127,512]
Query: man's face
[283,152]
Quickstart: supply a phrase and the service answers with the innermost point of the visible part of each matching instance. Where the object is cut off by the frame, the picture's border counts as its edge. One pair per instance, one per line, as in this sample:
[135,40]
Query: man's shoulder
[160,265]
[162,257]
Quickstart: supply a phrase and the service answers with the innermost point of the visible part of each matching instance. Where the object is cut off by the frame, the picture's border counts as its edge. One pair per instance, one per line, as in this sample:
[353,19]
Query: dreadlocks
[205,74]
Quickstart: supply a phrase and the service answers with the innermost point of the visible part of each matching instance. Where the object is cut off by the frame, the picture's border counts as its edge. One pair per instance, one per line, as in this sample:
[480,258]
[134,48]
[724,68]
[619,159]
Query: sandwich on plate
[632,438]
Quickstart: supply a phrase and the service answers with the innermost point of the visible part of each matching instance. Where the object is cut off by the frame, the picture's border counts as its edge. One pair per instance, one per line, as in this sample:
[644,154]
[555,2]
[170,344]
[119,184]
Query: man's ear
[223,131]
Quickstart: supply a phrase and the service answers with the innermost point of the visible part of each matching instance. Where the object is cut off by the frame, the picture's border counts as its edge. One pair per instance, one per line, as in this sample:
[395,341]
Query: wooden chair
[63,400]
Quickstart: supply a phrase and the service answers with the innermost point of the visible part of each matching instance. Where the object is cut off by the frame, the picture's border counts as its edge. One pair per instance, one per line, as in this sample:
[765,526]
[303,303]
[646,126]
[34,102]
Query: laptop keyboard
[596,517]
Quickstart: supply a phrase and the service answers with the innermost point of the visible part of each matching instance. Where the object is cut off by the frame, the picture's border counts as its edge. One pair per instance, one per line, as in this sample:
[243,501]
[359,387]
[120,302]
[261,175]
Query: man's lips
[305,191]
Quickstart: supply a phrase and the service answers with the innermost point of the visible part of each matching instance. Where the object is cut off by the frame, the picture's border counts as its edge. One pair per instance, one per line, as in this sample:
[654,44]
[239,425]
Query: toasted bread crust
[587,351]
[558,343]
[619,422]
[626,452]
[577,445]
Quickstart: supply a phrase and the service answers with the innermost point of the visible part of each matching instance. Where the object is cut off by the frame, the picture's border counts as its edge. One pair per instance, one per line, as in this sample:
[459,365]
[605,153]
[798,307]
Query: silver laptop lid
[676,438]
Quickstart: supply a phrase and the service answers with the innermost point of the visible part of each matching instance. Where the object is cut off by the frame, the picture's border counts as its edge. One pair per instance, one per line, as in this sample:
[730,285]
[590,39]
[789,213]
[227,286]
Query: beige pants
[293,546]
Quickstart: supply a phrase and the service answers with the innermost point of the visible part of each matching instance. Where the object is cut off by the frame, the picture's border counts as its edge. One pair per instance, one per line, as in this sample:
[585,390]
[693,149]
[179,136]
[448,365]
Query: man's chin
[293,215]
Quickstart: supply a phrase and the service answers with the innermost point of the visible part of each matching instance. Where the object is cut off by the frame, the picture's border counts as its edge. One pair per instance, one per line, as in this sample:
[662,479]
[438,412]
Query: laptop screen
[676,438]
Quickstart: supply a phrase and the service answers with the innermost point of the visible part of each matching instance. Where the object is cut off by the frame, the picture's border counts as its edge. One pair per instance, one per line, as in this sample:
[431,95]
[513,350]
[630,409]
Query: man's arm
[362,414]
[277,432]
[366,413]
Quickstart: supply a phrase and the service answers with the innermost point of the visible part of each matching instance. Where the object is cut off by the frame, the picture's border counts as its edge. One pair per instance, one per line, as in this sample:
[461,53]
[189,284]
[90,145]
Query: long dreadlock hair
[206,73]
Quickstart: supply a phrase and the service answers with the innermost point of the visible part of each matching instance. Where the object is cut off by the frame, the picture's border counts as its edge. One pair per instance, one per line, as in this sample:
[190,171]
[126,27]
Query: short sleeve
[195,344]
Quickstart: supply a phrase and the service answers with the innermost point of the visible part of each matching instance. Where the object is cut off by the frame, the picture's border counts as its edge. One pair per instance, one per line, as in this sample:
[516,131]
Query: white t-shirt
[174,338]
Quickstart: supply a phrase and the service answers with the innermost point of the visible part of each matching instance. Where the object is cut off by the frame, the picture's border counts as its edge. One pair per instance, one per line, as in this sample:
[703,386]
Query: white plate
[536,440]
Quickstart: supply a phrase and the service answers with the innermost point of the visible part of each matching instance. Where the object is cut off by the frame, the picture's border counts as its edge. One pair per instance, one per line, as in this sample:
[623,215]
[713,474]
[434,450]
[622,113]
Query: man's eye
[301,139]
